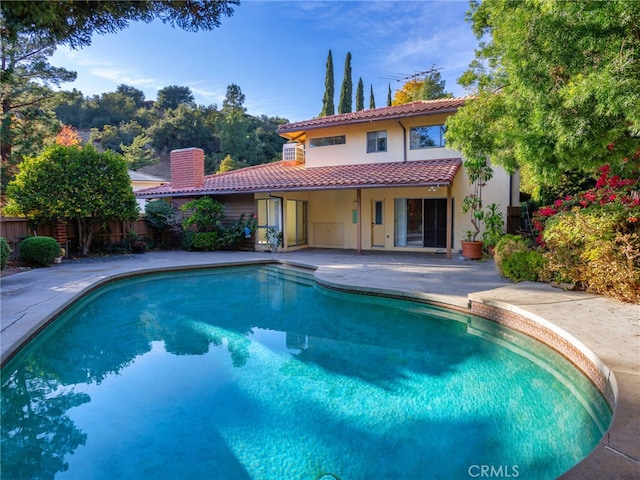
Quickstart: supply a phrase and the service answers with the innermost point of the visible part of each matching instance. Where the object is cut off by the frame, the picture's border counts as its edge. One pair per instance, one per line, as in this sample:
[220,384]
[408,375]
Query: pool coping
[613,458]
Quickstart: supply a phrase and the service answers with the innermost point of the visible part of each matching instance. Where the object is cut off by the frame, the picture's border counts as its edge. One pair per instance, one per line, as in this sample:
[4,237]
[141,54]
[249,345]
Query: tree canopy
[73,23]
[174,96]
[557,85]
[430,87]
[77,183]
[26,76]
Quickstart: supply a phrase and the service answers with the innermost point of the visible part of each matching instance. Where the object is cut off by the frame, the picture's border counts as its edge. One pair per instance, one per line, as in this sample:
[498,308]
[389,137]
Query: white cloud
[124,77]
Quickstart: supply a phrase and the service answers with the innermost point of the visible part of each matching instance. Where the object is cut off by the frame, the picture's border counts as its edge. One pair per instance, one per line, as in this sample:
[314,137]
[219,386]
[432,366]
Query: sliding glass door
[421,222]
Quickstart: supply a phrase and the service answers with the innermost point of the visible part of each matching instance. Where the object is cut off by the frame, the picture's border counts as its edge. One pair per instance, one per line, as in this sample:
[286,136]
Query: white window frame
[377,141]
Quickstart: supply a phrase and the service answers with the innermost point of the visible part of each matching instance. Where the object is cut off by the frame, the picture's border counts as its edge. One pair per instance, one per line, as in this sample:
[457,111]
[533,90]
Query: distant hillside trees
[174,121]
[173,96]
[184,127]
[139,154]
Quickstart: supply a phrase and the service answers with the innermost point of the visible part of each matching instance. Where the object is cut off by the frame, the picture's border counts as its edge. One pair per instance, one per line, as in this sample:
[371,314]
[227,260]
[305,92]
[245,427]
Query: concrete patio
[607,329]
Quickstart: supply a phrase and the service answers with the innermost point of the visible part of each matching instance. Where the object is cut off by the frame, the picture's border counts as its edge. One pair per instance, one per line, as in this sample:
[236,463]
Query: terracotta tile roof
[279,176]
[423,107]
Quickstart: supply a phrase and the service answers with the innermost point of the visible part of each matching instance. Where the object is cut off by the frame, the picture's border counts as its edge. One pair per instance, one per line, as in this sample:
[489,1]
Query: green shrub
[39,251]
[207,241]
[187,240]
[5,251]
[202,241]
[138,246]
[506,246]
[524,266]
[594,248]
[158,214]
[204,214]
[243,227]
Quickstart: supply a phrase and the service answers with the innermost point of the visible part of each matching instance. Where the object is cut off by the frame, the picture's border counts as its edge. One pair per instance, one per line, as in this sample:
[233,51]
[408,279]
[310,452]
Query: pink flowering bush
[593,239]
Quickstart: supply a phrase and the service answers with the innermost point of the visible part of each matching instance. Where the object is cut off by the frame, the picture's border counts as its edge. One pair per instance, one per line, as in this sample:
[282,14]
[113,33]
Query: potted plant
[60,256]
[274,239]
[479,172]
[493,227]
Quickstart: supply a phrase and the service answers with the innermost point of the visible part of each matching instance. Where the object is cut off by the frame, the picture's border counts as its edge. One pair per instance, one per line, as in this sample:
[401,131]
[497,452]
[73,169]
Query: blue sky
[276,52]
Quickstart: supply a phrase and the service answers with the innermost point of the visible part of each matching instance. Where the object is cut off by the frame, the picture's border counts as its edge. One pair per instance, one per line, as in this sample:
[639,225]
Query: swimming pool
[256,372]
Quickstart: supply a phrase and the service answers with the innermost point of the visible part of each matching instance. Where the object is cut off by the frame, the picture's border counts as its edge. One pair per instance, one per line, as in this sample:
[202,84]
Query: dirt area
[13,266]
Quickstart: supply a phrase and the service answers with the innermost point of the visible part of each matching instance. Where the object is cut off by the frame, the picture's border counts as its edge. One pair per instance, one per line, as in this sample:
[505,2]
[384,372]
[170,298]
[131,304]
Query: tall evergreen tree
[389,99]
[360,96]
[346,92]
[328,107]
[27,120]
[372,100]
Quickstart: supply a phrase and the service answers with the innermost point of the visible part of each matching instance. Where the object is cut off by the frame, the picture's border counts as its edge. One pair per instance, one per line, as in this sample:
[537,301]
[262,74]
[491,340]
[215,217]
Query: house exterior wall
[331,219]
[139,185]
[354,151]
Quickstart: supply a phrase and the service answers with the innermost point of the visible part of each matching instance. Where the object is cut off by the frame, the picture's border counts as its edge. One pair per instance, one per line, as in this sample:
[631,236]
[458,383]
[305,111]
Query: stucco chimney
[187,168]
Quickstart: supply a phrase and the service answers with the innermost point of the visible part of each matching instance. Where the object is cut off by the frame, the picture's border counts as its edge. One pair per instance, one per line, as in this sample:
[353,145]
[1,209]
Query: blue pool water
[258,373]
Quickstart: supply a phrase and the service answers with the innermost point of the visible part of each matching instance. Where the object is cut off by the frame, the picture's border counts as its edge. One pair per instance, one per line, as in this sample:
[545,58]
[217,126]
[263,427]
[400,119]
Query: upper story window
[428,136]
[324,141]
[377,141]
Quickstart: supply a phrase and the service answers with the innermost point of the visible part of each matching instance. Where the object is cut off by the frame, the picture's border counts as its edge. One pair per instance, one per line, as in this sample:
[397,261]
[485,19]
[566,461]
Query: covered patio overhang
[283,177]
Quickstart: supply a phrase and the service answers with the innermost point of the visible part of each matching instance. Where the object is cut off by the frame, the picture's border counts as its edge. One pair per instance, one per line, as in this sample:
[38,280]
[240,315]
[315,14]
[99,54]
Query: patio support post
[449,221]
[359,223]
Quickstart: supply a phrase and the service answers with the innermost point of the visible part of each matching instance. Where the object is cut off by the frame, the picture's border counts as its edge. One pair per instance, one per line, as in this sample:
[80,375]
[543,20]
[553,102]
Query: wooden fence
[14,230]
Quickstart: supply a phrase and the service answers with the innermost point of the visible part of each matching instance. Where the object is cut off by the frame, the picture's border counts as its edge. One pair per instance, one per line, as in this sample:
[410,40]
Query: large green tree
[72,22]
[139,153]
[173,96]
[328,107]
[237,138]
[183,127]
[74,183]
[27,119]
[557,85]
[346,91]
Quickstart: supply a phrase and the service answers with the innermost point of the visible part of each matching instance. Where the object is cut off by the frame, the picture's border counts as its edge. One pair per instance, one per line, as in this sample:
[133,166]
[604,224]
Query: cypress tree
[372,100]
[346,92]
[389,97]
[360,96]
[328,107]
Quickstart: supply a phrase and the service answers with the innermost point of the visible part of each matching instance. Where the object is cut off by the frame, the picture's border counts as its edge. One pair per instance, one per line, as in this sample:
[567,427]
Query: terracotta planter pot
[472,250]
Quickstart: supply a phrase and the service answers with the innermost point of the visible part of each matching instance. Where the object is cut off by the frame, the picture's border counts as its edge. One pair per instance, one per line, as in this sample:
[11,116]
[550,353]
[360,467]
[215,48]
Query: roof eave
[434,183]
[301,129]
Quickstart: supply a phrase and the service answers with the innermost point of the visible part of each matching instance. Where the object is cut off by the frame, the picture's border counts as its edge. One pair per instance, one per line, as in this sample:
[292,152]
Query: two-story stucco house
[380,179]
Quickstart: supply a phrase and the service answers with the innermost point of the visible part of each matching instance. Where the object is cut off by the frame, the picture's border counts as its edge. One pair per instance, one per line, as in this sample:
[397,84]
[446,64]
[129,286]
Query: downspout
[359,224]
[449,233]
[510,190]
[404,141]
